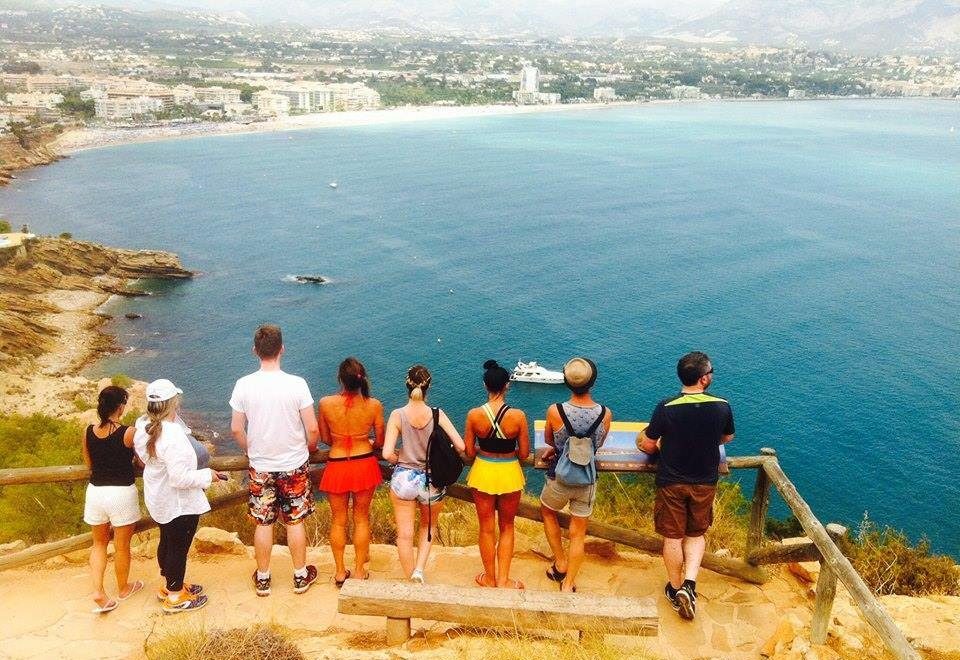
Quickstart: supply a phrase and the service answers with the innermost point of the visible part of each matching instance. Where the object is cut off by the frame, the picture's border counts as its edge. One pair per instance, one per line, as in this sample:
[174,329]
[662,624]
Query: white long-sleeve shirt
[172,484]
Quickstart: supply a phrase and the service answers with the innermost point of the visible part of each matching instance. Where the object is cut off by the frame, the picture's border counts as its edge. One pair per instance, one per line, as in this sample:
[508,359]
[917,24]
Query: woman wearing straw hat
[173,490]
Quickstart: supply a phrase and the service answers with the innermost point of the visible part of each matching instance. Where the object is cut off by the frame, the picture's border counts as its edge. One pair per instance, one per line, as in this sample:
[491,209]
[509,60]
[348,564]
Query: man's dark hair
[267,341]
[692,366]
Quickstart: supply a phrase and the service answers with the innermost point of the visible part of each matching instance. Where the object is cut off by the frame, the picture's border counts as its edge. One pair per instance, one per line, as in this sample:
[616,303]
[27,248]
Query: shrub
[42,512]
[783,528]
[258,642]
[121,380]
[82,405]
[890,564]
[5,227]
[67,235]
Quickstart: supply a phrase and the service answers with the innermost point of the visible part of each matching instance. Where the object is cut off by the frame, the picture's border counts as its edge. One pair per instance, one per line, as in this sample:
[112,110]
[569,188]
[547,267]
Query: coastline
[85,139]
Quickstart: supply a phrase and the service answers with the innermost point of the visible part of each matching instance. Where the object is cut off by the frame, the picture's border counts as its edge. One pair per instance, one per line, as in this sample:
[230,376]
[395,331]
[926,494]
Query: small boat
[531,372]
[334,184]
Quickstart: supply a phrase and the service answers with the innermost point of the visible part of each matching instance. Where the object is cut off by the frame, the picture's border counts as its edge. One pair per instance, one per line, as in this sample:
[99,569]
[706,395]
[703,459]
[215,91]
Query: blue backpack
[577,464]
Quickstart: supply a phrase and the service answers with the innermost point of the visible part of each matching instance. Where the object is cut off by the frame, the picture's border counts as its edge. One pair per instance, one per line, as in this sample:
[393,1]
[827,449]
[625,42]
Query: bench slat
[486,607]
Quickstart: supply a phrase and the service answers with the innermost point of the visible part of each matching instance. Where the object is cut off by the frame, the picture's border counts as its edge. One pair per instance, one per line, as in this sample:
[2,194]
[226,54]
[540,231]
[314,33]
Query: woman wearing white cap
[173,492]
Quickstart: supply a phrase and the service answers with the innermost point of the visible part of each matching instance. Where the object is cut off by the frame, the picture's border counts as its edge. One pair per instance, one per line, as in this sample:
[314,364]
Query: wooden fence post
[826,592]
[758,510]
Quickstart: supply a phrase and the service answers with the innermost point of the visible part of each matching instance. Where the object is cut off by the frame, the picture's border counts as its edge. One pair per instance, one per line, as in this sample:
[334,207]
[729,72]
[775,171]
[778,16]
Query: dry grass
[626,500]
[512,644]
[258,642]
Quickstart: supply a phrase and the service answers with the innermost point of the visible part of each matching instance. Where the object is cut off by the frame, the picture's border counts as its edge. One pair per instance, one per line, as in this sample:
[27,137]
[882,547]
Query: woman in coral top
[351,423]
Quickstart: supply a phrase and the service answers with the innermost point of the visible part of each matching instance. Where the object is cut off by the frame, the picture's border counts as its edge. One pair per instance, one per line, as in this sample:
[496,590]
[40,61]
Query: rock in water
[133,315]
[311,279]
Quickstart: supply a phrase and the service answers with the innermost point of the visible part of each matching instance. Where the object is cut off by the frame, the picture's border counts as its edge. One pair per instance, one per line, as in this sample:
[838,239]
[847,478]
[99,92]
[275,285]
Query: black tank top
[111,461]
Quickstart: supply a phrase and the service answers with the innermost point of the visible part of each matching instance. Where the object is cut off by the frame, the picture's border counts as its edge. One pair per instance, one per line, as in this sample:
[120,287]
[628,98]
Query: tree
[74,105]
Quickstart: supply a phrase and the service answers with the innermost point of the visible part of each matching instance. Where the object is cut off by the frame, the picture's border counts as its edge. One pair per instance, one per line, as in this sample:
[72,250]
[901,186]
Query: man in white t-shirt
[274,422]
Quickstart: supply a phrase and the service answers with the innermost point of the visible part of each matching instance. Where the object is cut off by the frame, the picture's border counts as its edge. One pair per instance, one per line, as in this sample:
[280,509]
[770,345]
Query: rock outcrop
[55,264]
[16,155]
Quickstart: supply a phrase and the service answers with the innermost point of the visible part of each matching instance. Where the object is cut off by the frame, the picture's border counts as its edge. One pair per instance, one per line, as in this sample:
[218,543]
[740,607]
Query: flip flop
[479,580]
[109,607]
[346,577]
[137,586]
[554,574]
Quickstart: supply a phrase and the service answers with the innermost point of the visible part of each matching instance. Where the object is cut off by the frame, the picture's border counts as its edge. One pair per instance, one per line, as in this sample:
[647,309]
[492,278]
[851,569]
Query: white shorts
[117,505]
[409,484]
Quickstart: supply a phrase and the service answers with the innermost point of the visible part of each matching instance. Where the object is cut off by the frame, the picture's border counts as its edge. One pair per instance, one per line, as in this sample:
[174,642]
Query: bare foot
[512,583]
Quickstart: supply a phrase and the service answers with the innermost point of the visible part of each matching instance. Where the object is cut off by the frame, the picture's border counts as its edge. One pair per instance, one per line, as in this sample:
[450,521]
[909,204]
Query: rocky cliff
[31,151]
[46,265]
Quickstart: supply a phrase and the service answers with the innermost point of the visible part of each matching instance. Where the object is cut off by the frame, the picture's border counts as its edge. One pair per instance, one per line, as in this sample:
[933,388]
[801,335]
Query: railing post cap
[768,451]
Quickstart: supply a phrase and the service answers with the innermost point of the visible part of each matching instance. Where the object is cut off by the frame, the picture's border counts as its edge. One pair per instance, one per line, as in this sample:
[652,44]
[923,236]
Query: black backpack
[444,464]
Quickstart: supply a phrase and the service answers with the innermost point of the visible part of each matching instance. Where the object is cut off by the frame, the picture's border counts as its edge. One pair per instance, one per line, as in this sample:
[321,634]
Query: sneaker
[192,589]
[262,587]
[301,584]
[184,605]
[417,576]
[687,599]
[673,599]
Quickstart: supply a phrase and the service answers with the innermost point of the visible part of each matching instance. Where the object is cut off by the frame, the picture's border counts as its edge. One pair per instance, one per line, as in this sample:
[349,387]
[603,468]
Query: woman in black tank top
[111,498]
[497,437]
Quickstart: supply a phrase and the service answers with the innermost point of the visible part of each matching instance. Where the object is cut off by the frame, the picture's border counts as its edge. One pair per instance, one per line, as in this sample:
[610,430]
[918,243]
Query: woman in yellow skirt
[497,437]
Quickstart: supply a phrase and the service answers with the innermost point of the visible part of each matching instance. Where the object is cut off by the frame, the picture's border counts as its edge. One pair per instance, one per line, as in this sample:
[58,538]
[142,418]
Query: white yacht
[334,184]
[531,372]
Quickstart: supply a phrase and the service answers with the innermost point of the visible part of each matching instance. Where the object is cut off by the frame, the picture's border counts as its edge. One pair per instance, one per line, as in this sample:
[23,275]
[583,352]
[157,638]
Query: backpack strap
[593,427]
[566,422]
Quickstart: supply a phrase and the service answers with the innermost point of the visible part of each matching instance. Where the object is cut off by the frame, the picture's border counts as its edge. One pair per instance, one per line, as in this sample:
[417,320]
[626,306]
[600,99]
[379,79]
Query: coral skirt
[496,476]
[351,474]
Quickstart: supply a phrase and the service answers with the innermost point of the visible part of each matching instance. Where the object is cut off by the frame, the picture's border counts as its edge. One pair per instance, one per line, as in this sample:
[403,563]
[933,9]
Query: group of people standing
[274,421]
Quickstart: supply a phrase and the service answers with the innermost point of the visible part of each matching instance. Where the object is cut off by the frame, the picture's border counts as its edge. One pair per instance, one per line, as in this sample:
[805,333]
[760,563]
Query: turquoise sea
[812,249]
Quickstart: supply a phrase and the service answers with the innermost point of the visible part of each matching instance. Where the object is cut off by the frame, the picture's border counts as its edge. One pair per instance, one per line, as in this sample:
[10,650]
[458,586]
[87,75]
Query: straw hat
[579,372]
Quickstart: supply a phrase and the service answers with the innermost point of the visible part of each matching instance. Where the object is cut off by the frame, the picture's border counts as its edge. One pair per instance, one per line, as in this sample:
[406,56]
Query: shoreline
[89,138]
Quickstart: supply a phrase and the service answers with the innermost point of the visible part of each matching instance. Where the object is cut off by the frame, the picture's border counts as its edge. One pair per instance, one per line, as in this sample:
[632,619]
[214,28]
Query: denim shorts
[410,484]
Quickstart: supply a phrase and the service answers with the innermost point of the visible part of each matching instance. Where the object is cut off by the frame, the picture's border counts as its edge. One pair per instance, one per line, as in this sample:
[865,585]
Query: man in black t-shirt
[688,430]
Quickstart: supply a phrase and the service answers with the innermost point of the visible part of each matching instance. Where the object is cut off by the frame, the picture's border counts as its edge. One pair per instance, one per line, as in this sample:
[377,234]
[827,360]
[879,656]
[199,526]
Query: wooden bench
[496,608]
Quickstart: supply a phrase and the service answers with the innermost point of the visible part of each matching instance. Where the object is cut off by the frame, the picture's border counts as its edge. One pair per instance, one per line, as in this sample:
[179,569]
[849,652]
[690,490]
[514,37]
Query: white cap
[161,390]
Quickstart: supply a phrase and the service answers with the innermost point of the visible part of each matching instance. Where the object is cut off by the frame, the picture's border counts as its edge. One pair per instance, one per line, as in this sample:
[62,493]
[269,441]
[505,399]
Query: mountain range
[854,25]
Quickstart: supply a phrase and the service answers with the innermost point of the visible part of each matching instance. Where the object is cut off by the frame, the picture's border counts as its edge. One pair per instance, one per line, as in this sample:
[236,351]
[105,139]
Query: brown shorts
[683,510]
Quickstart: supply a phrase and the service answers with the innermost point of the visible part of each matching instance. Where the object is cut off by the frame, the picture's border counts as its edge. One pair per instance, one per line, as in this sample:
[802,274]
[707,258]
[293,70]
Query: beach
[86,138]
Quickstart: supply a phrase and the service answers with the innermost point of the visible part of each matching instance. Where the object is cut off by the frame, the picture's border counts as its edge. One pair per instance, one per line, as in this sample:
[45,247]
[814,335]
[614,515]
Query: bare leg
[693,549]
[551,528]
[507,505]
[121,557]
[487,538]
[338,530]
[673,560]
[578,534]
[361,530]
[297,542]
[423,549]
[98,561]
[263,546]
[405,512]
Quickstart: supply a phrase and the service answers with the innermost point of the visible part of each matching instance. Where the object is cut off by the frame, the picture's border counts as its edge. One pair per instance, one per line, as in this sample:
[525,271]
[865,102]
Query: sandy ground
[53,618]
[92,138]
[51,384]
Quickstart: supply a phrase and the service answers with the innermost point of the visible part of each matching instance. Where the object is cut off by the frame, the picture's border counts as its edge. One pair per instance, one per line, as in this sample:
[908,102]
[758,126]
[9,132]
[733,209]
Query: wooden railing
[821,547]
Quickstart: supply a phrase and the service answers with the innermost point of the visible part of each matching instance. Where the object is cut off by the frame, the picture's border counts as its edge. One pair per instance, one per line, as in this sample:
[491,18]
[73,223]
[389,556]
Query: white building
[137,89]
[797,94]
[184,94]
[530,79]
[49,84]
[310,96]
[125,108]
[269,104]
[217,95]
[604,94]
[34,100]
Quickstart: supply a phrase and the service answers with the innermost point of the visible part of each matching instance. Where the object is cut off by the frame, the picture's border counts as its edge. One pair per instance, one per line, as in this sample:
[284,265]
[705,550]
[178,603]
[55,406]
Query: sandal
[110,606]
[346,577]
[137,586]
[554,574]
[479,580]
